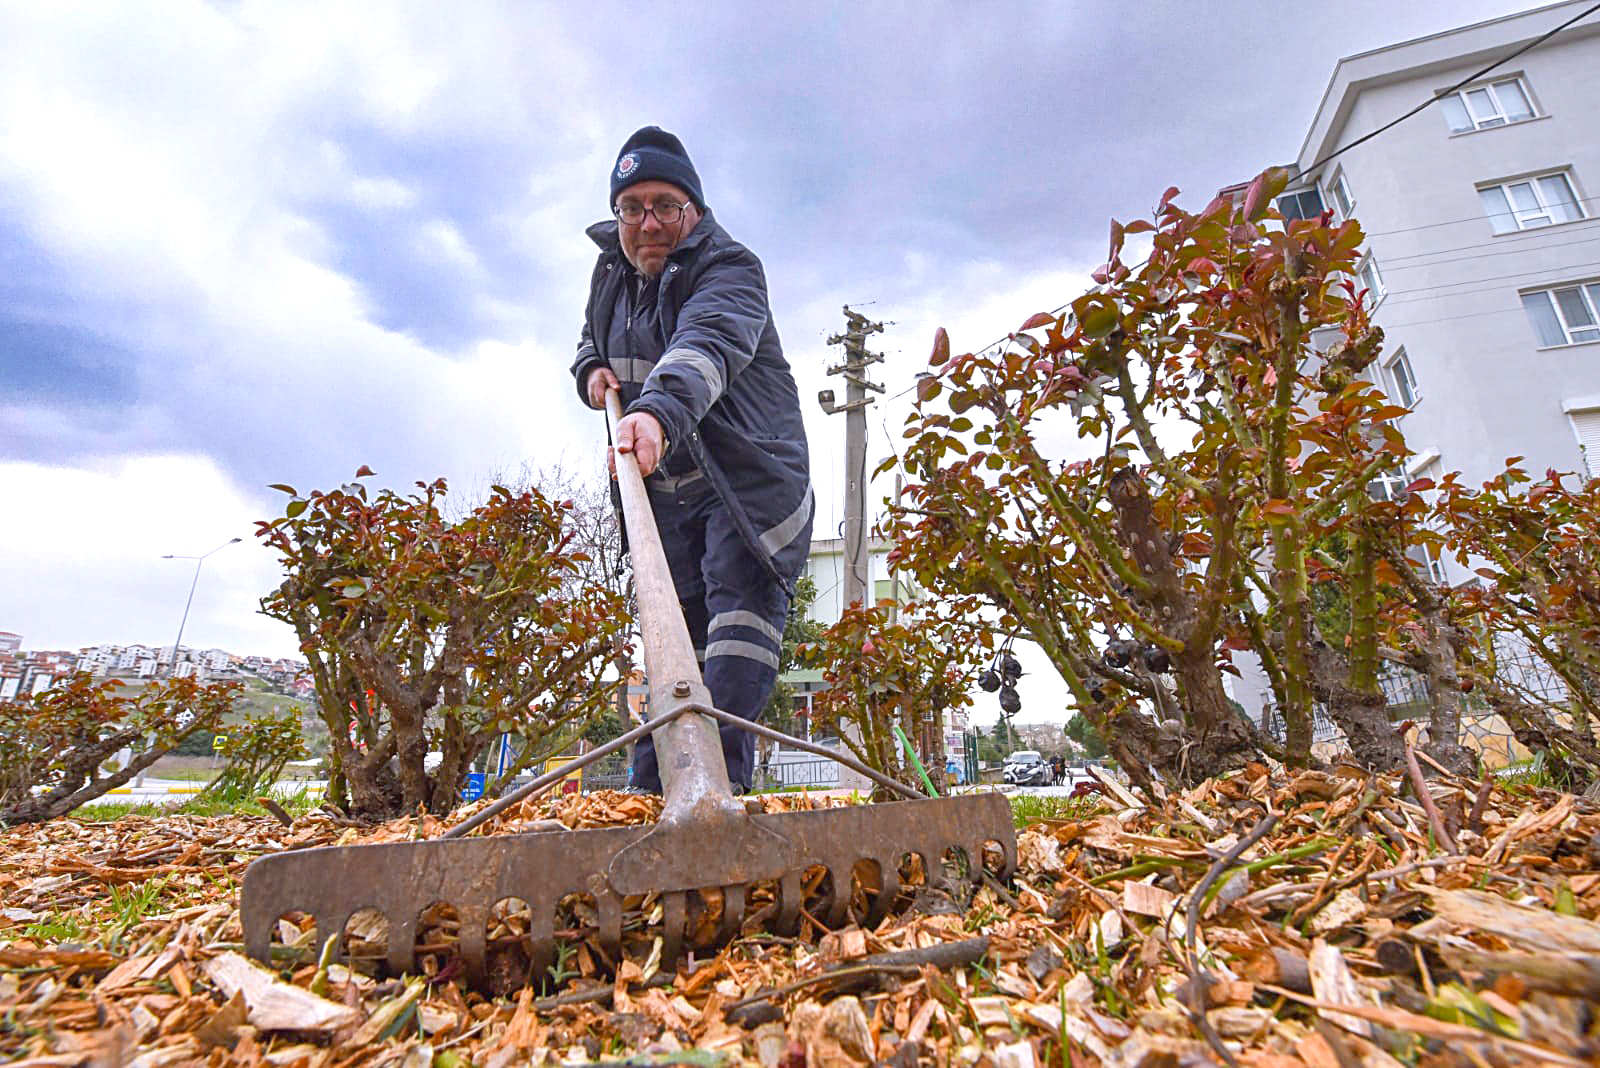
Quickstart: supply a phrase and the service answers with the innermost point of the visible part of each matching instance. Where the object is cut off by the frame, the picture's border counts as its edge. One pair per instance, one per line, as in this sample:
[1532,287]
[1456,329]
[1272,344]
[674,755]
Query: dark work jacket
[706,362]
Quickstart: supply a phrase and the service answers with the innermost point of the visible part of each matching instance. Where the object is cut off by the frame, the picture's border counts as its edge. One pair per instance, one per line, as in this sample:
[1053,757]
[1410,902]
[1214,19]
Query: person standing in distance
[678,320]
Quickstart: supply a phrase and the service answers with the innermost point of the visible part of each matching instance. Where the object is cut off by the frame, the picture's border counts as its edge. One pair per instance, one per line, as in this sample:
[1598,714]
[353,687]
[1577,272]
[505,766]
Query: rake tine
[674,919]
[402,943]
[732,912]
[541,939]
[790,897]
[933,865]
[838,903]
[609,908]
[342,951]
[888,889]
[473,941]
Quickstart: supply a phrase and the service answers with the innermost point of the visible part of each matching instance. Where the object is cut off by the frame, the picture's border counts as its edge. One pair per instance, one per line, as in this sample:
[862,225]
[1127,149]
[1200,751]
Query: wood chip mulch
[1269,918]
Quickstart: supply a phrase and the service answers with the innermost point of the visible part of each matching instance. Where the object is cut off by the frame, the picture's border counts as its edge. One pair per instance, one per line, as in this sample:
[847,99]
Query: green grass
[132,903]
[56,929]
[297,803]
[113,915]
[189,774]
[1031,808]
[111,811]
[1527,774]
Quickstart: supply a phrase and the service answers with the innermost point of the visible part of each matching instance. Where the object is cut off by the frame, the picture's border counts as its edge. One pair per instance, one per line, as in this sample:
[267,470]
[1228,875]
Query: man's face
[647,242]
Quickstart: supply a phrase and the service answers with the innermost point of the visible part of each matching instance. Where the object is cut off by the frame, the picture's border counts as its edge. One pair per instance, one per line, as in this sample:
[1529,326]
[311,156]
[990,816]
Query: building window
[1388,486]
[1483,106]
[1302,204]
[1436,570]
[1371,282]
[1565,315]
[1403,380]
[1530,202]
[1586,425]
[1339,194]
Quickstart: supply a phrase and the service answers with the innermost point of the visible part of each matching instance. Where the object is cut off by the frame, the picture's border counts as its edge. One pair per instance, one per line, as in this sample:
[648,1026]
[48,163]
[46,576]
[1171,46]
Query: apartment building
[1483,253]
[1482,261]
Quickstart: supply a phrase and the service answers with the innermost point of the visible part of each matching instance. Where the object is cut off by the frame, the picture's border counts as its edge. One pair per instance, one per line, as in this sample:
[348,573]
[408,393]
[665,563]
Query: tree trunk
[1364,718]
[1444,706]
[1435,658]
[373,789]
[78,784]
[1362,712]
[1294,615]
[1139,746]
[1223,740]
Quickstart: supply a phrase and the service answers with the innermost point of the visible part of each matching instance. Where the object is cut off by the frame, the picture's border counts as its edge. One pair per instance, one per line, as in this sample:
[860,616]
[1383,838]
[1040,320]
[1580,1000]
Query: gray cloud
[292,239]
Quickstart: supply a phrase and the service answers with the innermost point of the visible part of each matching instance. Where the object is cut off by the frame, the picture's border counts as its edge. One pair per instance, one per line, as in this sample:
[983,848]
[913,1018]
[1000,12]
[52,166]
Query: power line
[1480,217]
[1468,80]
[1452,318]
[1493,278]
[1389,262]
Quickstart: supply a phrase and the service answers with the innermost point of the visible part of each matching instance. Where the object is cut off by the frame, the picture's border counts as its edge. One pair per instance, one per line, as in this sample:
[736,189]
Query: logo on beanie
[627,164]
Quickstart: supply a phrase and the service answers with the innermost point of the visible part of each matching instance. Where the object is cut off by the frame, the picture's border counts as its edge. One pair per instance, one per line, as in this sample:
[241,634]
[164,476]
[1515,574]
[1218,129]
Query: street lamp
[173,667]
[198,560]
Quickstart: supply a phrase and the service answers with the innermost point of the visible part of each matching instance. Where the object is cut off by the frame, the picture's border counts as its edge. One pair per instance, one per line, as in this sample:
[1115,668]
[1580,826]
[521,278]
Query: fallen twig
[943,956]
[1425,799]
[1199,978]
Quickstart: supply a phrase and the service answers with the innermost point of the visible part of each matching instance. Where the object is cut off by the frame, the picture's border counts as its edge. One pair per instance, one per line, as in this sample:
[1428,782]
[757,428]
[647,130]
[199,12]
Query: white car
[1026,767]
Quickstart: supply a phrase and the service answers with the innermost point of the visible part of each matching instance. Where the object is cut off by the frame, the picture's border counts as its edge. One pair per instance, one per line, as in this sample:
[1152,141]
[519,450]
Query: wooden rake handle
[690,754]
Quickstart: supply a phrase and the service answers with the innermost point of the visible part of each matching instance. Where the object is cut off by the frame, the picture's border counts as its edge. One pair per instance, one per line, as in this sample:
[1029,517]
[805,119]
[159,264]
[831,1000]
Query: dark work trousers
[735,609]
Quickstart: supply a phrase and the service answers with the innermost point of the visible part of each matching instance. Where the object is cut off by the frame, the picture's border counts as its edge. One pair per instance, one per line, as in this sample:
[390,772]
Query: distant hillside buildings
[24,672]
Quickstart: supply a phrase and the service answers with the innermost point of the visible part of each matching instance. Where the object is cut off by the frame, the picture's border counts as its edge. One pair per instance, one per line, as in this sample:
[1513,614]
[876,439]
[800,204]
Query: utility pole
[854,369]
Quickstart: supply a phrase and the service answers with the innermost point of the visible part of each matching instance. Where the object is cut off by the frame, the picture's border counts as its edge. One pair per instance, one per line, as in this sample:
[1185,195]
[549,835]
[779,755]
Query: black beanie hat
[652,153]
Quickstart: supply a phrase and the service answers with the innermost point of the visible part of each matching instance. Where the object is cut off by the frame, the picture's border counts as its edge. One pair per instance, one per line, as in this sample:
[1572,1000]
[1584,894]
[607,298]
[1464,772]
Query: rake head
[712,859]
[692,876]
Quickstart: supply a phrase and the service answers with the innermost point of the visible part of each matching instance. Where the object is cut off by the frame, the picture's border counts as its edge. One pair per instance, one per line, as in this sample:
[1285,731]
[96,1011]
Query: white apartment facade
[1482,261]
[1482,215]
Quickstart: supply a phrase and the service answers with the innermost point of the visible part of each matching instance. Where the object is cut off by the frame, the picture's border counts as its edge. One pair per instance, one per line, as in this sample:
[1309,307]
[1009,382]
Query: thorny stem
[1083,527]
[1145,433]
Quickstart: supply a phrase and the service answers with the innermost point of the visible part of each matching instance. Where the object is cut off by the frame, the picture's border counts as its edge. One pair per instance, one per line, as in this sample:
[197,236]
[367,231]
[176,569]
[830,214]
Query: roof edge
[1349,77]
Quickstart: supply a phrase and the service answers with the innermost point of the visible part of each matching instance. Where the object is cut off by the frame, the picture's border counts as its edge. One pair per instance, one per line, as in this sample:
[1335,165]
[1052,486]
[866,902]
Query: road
[153,790]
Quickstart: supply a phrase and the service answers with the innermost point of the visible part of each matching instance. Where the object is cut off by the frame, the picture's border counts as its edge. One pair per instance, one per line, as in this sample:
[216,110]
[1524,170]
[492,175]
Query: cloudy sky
[247,243]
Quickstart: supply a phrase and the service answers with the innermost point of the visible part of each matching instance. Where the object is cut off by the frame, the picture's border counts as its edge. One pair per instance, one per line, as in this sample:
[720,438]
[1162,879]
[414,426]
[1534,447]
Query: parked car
[1026,767]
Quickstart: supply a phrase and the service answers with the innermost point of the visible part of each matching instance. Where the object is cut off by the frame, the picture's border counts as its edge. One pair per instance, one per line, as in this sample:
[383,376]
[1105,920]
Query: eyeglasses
[665,211]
